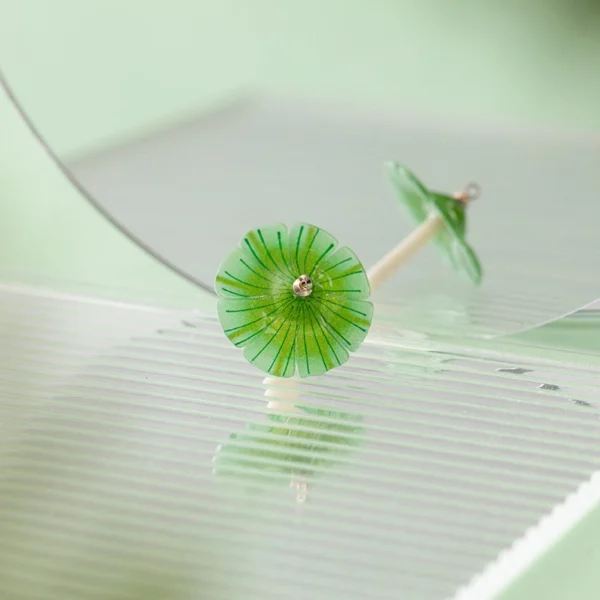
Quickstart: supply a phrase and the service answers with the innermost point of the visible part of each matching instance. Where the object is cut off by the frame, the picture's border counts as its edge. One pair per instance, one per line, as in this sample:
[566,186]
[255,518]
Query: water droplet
[549,386]
[579,402]
[515,370]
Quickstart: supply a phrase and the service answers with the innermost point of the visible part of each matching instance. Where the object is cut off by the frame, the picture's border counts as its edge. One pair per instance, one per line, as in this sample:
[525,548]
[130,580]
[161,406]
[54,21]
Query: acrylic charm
[440,218]
[293,300]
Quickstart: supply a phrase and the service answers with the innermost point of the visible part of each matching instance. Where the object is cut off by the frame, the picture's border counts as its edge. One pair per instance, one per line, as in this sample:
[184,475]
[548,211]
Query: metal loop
[472,191]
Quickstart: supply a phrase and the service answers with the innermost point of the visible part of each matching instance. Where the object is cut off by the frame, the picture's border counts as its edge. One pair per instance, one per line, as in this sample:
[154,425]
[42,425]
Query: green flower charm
[422,203]
[294,300]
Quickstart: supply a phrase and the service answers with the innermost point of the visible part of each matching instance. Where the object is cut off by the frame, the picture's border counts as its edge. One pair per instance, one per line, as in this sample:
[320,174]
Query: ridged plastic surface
[139,459]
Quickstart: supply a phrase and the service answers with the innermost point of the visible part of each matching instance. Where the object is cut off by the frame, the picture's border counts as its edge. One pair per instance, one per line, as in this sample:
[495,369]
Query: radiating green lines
[283,333]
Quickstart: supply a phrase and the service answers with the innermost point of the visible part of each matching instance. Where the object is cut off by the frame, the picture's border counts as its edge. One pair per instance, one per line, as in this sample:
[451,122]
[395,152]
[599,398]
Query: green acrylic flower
[294,300]
[422,202]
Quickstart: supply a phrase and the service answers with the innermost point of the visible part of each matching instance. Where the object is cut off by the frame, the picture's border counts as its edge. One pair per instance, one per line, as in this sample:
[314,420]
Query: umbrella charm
[441,219]
[293,300]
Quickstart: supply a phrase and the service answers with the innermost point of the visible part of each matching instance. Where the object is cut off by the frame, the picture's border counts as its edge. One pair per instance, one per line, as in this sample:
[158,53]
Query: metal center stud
[303,286]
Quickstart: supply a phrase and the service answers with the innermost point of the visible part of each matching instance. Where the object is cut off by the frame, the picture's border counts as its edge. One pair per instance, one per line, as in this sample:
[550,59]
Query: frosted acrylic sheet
[195,190]
[138,459]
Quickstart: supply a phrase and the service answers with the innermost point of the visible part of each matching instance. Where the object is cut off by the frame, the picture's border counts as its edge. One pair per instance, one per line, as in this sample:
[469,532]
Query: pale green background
[88,80]
[90,72]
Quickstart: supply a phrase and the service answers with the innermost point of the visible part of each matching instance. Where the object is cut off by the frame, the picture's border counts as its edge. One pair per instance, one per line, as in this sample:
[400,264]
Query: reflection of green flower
[294,301]
[422,203]
[294,445]
[413,364]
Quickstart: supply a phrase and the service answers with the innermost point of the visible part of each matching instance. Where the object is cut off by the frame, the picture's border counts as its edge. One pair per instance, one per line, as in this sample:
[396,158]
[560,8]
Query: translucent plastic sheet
[139,459]
[188,194]
[194,190]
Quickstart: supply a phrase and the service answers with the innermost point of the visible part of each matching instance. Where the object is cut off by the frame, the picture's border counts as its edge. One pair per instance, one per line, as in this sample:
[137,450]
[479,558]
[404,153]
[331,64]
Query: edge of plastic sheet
[537,540]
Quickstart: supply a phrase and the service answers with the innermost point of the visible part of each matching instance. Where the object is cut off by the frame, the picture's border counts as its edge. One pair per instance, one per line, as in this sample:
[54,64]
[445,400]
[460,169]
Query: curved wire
[88,196]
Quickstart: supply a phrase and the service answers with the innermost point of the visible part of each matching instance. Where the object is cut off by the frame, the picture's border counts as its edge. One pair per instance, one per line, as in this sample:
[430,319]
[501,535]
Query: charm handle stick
[381,271]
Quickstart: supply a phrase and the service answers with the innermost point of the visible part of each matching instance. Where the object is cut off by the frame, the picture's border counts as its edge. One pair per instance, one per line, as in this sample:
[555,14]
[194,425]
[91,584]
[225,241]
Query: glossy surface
[283,333]
[422,203]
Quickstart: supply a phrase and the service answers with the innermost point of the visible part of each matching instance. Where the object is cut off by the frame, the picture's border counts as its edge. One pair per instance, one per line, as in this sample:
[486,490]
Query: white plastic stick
[379,273]
[284,393]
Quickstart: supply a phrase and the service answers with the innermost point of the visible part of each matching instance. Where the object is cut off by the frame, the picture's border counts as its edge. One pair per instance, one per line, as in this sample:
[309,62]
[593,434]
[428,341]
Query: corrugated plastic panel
[139,459]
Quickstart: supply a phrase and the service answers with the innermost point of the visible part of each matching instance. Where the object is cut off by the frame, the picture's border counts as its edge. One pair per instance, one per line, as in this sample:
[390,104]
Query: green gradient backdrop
[91,72]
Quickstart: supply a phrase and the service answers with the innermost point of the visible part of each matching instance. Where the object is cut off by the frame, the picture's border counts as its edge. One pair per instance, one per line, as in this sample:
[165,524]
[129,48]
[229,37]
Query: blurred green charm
[450,211]
[294,448]
[293,300]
